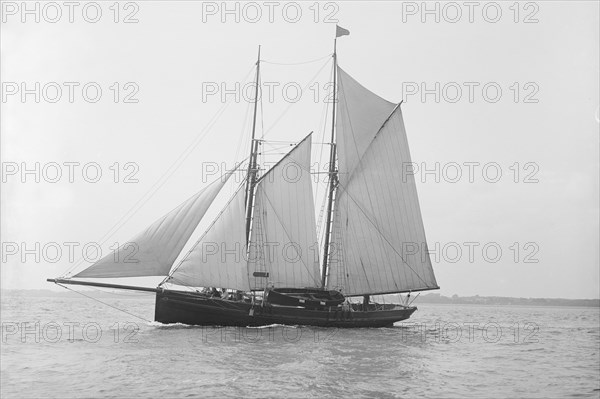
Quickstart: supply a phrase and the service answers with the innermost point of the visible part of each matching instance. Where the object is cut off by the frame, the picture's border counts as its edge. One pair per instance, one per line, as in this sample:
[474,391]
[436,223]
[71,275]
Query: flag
[339,31]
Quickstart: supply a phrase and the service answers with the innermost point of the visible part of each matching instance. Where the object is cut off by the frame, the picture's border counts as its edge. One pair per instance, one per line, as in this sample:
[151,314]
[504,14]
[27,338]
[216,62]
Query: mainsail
[378,238]
[153,251]
[284,238]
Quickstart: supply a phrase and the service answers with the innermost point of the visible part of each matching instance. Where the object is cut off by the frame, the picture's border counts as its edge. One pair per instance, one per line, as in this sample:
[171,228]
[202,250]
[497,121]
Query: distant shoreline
[430,298]
[433,298]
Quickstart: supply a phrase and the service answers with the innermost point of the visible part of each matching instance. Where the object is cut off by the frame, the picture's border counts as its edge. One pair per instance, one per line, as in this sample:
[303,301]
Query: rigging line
[338,268]
[414,299]
[324,116]
[382,235]
[104,303]
[299,164]
[270,152]
[279,142]
[320,233]
[397,107]
[145,198]
[293,142]
[275,147]
[292,104]
[158,184]
[285,230]
[246,128]
[297,63]
[242,143]
[241,134]
[262,109]
[179,160]
[280,146]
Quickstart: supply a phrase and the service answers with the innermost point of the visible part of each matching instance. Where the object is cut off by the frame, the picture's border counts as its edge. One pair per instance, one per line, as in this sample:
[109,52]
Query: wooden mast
[332,173]
[252,164]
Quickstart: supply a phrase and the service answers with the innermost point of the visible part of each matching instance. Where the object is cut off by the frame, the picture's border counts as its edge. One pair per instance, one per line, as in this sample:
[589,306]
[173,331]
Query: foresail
[153,251]
[284,240]
[378,238]
[218,259]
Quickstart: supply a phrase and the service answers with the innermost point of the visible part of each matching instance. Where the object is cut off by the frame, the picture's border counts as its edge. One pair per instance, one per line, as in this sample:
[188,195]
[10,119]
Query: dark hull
[198,309]
[305,297]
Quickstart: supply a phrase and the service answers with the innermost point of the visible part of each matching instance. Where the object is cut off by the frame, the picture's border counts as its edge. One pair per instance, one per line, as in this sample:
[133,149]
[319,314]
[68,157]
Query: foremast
[332,175]
[252,163]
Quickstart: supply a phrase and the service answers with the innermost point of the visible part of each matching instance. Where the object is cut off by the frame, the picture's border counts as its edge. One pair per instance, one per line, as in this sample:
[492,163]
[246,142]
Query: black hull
[197,309]
[305,297]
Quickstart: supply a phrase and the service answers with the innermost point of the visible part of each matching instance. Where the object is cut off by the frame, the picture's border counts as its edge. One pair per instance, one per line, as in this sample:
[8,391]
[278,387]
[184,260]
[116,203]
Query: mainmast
[252,164]
[332,173]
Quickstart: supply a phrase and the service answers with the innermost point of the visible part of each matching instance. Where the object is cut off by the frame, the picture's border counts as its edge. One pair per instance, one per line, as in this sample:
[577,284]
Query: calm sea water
[57,347]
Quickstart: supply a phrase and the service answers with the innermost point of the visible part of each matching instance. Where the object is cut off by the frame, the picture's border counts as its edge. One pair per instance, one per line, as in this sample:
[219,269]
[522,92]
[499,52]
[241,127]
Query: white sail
[218,259]
[284,238]
[153,251]
[360,114]
[378,238]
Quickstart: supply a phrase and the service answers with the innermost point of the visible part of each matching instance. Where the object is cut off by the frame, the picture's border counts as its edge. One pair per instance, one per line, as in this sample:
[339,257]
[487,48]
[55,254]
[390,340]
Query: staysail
[378,237]
[153,251]
[284,239]
[218,259]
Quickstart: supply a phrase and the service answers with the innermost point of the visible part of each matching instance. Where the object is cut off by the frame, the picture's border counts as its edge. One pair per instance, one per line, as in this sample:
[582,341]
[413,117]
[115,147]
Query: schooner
[240,271]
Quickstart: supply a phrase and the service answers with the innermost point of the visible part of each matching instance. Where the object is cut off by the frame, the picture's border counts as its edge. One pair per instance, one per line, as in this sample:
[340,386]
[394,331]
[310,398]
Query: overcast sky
[517,90]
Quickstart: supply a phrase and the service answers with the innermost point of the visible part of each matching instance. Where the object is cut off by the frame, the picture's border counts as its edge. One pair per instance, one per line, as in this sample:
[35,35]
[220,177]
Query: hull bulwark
[196,309]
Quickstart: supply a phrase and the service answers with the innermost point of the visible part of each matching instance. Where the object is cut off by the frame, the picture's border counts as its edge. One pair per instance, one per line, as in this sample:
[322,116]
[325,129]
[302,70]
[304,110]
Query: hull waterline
[197,309]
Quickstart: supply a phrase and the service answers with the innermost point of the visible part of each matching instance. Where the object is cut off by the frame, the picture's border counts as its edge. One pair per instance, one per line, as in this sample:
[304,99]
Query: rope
[291,104]
[104,303]
[291,142]
[297,63]
[242,139]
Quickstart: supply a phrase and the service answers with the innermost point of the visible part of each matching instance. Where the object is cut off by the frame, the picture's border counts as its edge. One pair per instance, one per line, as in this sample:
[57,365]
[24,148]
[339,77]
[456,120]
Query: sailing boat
[257,264]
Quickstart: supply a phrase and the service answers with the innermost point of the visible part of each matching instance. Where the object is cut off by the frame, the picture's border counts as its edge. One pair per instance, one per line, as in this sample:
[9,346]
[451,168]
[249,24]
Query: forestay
[378,238]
